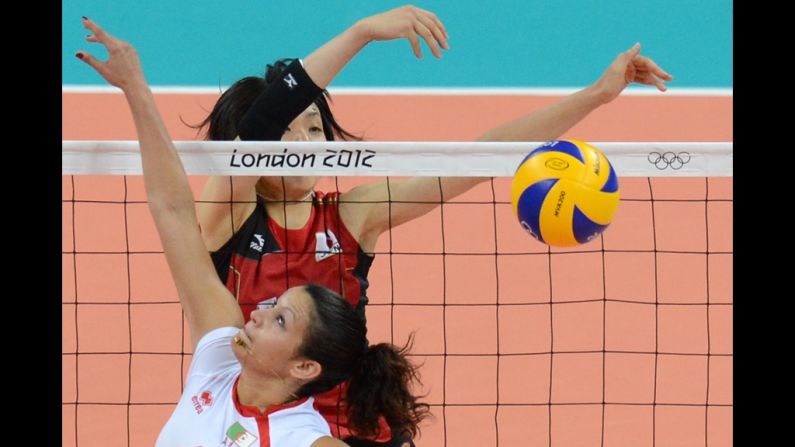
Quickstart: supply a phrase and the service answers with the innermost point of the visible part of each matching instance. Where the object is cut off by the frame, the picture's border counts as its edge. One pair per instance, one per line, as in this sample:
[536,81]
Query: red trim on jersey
[331,405]
[252,411]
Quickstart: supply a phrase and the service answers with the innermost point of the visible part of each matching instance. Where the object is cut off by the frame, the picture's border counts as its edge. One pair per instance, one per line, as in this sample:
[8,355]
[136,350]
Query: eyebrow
[295,315]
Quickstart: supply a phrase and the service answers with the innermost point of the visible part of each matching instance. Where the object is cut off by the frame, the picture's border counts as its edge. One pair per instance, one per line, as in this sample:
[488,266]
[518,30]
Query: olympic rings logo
[669,160]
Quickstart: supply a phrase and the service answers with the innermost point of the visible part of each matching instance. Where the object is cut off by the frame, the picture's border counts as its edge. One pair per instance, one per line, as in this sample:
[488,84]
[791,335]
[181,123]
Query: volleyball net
[623,341]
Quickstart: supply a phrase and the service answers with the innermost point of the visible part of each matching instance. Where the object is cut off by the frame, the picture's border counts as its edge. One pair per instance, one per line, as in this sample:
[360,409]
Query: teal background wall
[495,43]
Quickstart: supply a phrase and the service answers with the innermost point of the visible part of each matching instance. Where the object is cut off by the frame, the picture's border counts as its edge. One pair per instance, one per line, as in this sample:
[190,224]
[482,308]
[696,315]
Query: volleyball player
[268,233]
[251,383]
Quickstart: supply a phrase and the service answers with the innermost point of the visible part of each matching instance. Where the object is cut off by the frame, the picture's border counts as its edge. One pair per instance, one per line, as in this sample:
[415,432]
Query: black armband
[275,108]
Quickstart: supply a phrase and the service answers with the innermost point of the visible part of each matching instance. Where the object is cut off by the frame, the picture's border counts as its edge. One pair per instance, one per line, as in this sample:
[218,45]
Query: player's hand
[627,68]
[123,68]
[410,22]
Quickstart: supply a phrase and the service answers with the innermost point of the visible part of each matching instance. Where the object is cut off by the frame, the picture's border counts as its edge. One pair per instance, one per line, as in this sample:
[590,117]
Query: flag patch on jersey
[240,436]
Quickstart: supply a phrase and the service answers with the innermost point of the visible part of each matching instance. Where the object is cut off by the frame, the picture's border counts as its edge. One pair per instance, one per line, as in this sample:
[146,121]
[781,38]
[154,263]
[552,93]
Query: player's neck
[262,392]
[282,199]
[290,215]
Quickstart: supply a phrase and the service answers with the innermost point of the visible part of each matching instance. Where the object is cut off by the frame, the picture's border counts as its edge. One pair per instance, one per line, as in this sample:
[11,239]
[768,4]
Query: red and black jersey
[254,261]
[263,260]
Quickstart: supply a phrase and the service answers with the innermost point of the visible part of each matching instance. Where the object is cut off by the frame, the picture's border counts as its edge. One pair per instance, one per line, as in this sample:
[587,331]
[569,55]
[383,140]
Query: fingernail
[79,55]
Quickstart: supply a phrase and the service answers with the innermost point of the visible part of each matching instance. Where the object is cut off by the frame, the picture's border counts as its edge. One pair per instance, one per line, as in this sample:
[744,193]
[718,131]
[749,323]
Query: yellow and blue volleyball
[565,193]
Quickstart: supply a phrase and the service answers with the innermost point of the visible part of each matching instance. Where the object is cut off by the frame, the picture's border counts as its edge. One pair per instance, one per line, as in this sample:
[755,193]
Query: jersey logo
[239,436]
[205,399]
[327,245]
[257,245]
[290,81]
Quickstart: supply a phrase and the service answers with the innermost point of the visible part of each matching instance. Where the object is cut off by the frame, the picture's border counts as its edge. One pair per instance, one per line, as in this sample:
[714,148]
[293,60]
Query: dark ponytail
[380,375]
[381,386]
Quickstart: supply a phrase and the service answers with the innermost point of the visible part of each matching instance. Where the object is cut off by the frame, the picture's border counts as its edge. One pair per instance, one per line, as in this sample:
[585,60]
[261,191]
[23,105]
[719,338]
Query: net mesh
[626,340]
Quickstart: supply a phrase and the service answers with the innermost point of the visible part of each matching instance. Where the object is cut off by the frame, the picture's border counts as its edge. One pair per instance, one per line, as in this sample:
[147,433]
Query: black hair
[222,122]
[380,376]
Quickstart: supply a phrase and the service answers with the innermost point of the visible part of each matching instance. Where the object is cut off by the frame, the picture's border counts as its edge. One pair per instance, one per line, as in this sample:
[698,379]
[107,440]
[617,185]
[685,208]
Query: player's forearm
[548,123]
[170,201]
[165,180]
[326,62]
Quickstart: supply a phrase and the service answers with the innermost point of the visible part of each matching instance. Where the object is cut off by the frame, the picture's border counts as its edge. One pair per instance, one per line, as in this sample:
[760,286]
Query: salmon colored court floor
[520,347]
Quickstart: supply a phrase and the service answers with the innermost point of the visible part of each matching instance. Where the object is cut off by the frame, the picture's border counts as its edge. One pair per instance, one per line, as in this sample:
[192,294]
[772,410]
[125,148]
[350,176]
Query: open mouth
[238,339]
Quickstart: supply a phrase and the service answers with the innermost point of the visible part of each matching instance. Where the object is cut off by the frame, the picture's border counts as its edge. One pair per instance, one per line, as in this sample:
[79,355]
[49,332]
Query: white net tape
[367,158]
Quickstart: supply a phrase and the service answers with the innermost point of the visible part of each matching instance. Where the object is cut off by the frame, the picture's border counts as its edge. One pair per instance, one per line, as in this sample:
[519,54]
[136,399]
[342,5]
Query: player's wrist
[291,92]
[361,33]
[597,94]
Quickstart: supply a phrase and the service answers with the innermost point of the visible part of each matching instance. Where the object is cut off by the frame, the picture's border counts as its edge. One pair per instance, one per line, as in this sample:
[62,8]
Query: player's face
[308,126]
[273,335]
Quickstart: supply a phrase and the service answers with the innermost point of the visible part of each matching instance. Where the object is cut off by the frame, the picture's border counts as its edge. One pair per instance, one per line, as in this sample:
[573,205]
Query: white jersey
[209,415]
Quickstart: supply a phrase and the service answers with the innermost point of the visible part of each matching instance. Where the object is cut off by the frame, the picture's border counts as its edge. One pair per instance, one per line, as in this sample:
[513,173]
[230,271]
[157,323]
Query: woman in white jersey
[252,385]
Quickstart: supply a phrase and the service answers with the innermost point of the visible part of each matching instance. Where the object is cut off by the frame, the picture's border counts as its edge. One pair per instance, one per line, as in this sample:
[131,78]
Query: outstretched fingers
[100,36]
[649,73]
[651,66]
[88,58]
[415,43]
[422,30]
[122,68]
[438,23]
[627,56]
[648,78]
[623,63]
[434,25]
[425,24]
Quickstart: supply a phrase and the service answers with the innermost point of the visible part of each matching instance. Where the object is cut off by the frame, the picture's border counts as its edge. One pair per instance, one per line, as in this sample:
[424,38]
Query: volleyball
[565,193]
